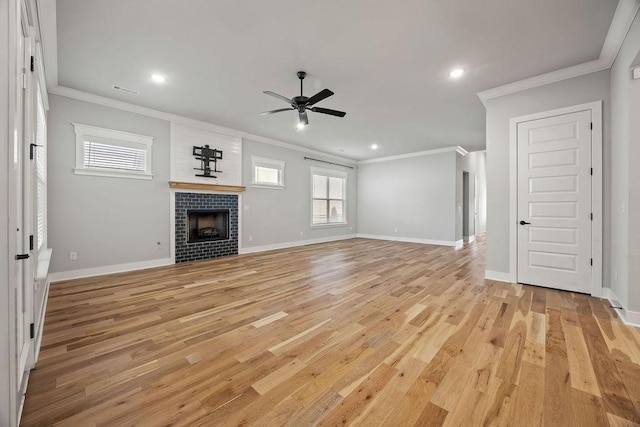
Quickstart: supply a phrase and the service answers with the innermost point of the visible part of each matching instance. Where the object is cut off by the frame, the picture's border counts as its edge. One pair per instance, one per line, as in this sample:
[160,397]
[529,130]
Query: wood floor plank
[356,332]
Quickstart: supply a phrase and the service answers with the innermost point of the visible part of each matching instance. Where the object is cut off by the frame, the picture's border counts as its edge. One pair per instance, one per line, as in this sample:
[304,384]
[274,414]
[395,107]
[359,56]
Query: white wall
[280,217]
[579,90]
[416,195]
[107,221]
[625,176]
[184,138]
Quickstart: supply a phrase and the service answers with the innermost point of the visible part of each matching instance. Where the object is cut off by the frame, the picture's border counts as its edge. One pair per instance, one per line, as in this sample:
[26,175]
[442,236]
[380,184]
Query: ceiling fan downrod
[301,76]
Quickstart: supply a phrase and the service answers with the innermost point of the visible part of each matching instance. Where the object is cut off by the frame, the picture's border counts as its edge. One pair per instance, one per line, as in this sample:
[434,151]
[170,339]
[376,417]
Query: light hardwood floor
[357,332]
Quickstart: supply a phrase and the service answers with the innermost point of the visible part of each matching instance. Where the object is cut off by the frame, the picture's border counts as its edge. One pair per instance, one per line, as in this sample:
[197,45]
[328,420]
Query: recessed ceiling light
[158,78]
[456,73]
[374,146]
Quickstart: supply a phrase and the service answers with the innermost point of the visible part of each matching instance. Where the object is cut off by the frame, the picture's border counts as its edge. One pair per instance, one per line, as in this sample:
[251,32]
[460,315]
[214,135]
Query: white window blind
[113,156]
[107,152]
[329,197]
[41,171]
[267,173]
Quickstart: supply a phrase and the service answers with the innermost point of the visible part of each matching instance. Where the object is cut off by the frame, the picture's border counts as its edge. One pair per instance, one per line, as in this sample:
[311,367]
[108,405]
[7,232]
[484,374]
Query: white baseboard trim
[108,269]
[470,239]
[629,317]
[498,276]
[286,245]
[408,239]
[460,244]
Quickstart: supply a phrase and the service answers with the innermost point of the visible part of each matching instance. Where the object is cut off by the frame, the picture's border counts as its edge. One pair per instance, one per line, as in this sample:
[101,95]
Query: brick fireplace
[206,226]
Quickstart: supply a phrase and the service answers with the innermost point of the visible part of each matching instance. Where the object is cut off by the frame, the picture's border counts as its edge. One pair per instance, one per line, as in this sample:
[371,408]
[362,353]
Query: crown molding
[461,151]
[620,25]
[456,149]
[281,144]
[144,111]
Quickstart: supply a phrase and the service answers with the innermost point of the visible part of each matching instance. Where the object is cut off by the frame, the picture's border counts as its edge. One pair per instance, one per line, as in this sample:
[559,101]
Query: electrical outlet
[395,230]
[636,73]
[251,238]
[73,256]
[246,207]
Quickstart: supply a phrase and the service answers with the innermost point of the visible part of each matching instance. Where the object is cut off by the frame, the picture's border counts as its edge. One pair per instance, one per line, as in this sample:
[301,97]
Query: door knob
[524,223]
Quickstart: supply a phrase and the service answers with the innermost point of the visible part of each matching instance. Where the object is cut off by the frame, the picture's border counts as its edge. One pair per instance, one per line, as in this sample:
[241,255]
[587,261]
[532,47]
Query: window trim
[270,163]
[332,173]
[126,138]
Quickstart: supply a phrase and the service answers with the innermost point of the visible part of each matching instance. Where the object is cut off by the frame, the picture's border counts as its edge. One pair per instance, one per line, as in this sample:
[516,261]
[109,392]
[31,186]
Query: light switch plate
[636,73]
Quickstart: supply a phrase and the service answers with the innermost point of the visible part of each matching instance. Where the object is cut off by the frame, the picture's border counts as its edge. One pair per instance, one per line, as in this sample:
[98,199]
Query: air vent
[124,89]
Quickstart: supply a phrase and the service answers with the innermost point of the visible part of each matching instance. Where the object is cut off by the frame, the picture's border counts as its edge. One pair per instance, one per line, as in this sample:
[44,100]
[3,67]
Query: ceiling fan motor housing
[302,103]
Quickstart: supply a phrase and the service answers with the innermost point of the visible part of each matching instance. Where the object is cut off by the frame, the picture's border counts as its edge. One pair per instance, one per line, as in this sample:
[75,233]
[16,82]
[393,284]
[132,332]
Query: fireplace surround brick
[186,252]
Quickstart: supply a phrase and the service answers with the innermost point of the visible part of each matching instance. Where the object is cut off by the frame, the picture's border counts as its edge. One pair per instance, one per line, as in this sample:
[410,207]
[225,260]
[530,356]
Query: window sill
[112,174]
[337,225]
[268,187]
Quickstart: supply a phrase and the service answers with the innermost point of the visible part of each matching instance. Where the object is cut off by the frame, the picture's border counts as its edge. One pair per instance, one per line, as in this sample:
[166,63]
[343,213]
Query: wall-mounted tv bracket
[206,156]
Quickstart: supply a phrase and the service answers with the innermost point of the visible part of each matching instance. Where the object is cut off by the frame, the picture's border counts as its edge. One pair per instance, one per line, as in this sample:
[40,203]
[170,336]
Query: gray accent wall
[272,217]
[107,221]
[416,196]
[625,173]
[579,90]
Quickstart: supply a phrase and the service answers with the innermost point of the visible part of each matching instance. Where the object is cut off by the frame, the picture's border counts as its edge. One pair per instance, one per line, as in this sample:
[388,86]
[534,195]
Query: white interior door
[554,202]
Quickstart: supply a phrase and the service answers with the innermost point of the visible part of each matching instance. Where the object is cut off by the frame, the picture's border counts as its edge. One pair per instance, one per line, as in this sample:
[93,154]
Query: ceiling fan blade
[324,93]
[275,95]
[304,118]
[264,113]
[328,111]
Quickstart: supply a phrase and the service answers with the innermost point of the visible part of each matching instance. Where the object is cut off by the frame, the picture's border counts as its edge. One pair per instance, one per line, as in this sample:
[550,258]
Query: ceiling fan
[303,103]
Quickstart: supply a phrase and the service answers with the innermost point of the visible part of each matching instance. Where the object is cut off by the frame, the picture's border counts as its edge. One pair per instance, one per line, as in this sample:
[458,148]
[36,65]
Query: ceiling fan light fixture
[301,126]
[374,146]
[456,73]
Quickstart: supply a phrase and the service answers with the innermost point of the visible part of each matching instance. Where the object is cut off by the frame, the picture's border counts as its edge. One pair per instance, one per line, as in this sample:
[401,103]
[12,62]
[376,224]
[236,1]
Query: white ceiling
[386,61]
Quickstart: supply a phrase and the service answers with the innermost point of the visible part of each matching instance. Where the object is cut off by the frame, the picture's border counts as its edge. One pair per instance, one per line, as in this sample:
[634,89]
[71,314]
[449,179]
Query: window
[267,173]
[106,152]
[41,170]
[329,194]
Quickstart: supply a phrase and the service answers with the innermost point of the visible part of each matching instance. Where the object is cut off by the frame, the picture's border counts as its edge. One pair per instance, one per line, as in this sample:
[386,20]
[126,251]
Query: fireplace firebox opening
[207,225]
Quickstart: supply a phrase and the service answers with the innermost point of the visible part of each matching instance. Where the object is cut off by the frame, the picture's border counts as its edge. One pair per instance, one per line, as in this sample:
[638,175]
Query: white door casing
[22,170]
[554,196]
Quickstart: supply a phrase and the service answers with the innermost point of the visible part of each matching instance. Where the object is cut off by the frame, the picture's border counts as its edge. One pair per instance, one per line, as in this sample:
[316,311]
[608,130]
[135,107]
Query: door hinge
[24,81]
[591,261]
[591,125]
[592,171]
[591,216]
[31,242]
[20,257]
[32,65]
[32,331]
